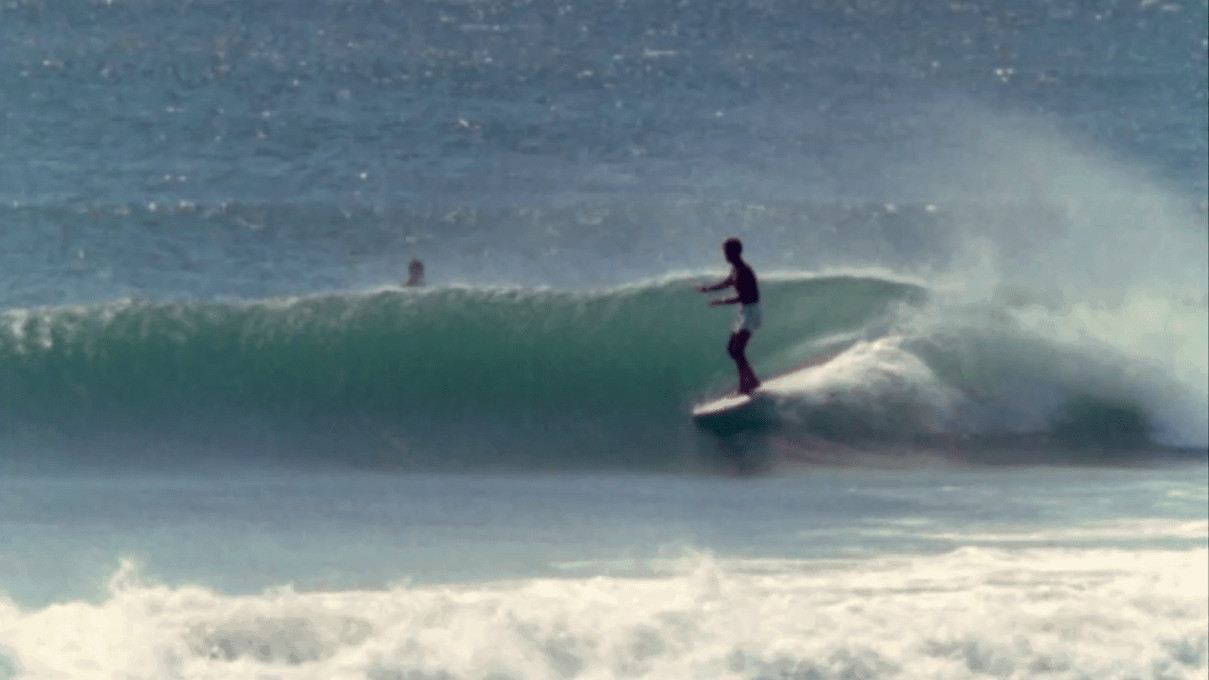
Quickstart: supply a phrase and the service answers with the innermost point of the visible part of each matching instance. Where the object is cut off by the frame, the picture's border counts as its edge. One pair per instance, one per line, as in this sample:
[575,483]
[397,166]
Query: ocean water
[232,445]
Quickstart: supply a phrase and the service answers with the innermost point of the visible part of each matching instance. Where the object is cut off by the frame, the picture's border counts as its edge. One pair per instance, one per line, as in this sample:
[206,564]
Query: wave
[523,377]
[828,619]
[642,348]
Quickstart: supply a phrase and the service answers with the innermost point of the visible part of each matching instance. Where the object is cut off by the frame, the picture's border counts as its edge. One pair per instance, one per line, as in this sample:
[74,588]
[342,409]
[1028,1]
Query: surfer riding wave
[750,315]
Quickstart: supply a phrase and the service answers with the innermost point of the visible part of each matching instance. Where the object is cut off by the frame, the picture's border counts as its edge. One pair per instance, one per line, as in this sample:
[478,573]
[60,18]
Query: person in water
[415,273]
[743,280]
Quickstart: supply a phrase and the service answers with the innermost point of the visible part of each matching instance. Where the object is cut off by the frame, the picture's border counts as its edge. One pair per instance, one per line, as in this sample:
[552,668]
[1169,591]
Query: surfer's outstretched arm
[726,283]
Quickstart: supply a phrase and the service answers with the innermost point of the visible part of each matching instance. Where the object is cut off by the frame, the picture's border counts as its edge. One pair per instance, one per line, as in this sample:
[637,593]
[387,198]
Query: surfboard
[721,405]
[736,412]
[733,412]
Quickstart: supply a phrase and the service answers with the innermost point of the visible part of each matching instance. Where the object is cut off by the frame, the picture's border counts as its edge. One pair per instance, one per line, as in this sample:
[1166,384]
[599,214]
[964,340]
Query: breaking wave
[452,374]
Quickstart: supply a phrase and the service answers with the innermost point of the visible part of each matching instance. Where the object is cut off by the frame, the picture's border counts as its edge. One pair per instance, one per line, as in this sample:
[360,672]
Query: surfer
[743,280]
[415,273]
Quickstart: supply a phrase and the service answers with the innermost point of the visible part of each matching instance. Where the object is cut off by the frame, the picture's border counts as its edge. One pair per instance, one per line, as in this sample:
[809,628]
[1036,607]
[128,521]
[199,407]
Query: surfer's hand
[715,303]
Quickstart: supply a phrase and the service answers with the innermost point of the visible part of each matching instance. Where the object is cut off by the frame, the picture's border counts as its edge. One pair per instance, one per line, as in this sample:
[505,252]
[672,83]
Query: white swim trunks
[749,317]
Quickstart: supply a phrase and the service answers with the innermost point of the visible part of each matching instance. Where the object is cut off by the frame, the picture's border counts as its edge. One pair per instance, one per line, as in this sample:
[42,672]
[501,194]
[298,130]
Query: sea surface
[234,445]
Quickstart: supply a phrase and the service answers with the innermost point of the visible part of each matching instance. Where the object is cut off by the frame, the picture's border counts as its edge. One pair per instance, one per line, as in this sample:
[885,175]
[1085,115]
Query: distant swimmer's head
[732,248]
[415,273]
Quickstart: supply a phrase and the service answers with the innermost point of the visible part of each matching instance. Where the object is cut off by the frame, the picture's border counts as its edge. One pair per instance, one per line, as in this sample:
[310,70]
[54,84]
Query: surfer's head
[732,248]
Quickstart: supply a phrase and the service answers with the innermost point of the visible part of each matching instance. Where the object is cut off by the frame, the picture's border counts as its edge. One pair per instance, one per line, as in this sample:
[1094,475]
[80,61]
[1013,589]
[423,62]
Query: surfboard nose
[737,413]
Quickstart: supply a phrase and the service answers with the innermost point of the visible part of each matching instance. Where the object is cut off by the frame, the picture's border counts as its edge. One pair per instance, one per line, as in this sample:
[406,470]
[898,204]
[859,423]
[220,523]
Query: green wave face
[646,348]
[522,378]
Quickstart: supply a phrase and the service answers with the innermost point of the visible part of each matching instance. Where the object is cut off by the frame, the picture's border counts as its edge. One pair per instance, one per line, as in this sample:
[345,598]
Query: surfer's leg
[738,341]
[737,348]
[752,381]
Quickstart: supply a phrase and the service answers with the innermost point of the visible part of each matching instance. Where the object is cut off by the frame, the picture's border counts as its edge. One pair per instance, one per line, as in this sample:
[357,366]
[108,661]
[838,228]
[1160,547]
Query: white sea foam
[883,379]
[1119,258]
[970,613]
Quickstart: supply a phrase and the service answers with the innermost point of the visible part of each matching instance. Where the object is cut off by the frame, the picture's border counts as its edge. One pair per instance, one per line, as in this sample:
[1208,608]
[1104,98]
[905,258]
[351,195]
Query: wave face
[645,349]
[511,377]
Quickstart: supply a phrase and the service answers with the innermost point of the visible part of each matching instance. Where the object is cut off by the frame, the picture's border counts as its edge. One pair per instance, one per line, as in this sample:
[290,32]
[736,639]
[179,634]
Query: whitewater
[234,445]
[833,574]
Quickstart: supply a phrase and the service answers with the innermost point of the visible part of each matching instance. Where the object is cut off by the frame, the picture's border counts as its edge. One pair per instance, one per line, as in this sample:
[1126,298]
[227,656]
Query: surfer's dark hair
[732,247]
